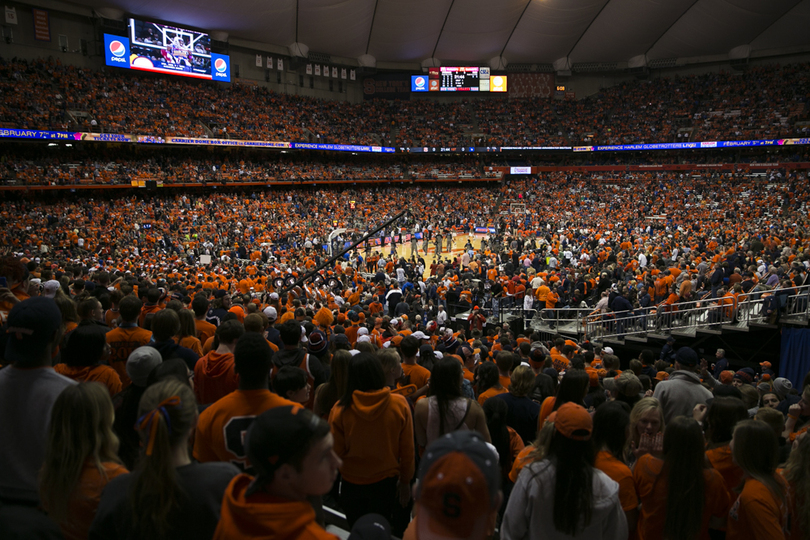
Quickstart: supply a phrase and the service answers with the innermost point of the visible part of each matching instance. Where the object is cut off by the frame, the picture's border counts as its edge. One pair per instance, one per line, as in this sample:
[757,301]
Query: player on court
[179,51]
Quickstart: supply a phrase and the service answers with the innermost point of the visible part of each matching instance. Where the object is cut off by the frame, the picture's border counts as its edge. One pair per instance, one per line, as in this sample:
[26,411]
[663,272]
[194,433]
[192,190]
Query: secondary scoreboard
[458,79]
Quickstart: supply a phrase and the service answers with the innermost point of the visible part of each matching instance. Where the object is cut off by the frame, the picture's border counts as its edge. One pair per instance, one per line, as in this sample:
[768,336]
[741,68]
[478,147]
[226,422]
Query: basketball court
[404,250]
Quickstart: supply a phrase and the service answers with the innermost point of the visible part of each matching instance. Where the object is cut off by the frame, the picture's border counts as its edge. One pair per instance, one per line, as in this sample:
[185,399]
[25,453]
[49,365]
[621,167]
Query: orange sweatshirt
[374,437]
[99,373]
[222,427]
[214,377]
[261,515]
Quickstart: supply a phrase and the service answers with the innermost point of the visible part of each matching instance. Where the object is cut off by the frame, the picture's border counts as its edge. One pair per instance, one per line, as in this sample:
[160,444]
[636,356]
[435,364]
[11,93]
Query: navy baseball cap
[32,325]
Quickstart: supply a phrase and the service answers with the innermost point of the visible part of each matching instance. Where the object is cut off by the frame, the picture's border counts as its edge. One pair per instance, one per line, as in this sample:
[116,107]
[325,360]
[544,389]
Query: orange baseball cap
[461,468]
[574,422]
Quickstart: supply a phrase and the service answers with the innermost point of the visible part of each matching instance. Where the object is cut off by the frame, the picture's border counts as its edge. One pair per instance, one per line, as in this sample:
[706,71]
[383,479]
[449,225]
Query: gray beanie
[782,387]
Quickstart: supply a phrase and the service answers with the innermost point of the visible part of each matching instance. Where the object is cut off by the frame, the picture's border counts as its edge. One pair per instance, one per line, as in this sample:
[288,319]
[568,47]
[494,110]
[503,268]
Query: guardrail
[755,307]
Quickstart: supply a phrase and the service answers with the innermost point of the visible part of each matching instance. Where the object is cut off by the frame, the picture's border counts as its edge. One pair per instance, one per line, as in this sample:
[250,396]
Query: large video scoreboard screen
[162,48]
[458,79]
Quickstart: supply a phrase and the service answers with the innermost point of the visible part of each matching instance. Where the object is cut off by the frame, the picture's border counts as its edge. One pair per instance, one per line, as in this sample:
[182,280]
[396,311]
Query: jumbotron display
[458,79]
[167,49]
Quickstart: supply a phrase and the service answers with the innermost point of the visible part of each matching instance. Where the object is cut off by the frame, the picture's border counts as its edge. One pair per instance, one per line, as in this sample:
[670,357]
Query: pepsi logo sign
[220,65]
[420,82]
[117,49]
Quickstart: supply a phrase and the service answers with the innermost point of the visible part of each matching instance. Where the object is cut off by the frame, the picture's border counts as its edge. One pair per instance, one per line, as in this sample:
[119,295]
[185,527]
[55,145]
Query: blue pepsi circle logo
[420,82]
[117,48]
[220,65]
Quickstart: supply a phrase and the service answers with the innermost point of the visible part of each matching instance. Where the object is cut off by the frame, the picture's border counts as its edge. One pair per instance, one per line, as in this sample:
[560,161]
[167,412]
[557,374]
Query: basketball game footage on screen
[168,48]
[162,48]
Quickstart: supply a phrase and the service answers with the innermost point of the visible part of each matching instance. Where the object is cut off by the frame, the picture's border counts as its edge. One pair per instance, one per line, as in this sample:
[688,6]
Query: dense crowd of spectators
[90,163]
[148,393]
[762,102]
[26,164]
[109,293]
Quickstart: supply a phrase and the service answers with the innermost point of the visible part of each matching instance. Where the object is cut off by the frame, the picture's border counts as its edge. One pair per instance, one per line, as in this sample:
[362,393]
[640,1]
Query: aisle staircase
[688,319]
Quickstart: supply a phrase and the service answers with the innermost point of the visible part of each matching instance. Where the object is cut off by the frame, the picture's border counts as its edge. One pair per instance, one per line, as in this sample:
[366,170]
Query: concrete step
[736,327]
[762,325]
[637,338]
[705,330]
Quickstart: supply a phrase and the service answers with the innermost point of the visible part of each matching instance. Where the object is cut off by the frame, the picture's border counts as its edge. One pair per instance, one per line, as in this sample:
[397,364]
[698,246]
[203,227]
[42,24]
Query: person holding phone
[798,418]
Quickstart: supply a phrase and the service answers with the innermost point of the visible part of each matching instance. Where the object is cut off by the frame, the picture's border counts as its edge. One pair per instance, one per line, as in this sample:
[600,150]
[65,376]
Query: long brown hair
[756,451]
[684,462]
[187,325]
[80,433]
[330,392]
[166,416]
[798,476]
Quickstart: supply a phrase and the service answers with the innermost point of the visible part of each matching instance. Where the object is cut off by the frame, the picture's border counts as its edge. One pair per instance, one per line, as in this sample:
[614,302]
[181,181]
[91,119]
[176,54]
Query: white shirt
[642,260]
[441,317]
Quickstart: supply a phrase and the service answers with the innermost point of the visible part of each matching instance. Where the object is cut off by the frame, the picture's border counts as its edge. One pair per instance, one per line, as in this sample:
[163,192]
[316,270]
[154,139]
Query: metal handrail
[707,312]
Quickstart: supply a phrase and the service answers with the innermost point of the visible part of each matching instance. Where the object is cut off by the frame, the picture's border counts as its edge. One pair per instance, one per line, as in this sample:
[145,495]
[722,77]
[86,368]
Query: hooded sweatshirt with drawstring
[374,437]
[261,515]
[214,377]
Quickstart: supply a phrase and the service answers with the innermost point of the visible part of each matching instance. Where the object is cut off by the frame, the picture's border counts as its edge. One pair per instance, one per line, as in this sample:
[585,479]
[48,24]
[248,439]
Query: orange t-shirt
[418,375]
[122,341]
[469,375]
[98,373]
[205,330]
[222,427]
[505,381]
[757,514]
[85,497]
[545,410]
[559,362]
[490,392]
[190,342]
[652,492]
[516,444]
[110,316]
[732,474]
[619,472]
[523,458]
[208,345]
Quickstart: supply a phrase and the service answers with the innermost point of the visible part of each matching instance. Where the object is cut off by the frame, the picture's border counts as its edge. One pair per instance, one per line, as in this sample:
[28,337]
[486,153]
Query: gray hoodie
[680,394]
[530,511]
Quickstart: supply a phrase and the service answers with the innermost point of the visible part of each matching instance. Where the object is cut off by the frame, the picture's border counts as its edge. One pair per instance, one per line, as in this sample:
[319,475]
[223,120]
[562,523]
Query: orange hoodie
[263,516]
[374,437]
[146,310]
[214,377]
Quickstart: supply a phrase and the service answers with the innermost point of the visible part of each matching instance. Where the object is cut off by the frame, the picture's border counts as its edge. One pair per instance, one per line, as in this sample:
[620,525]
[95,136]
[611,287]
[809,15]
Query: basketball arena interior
[617,188]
